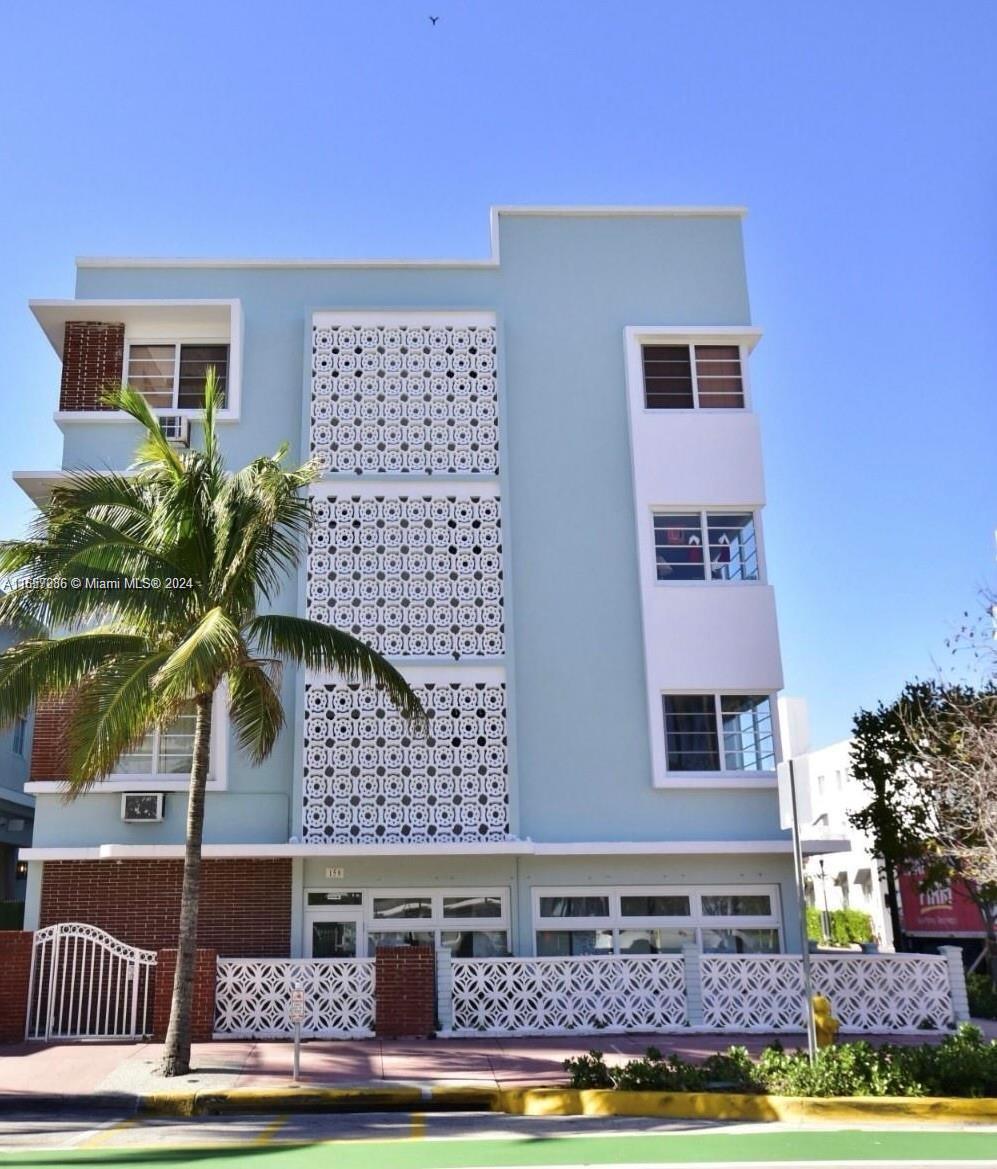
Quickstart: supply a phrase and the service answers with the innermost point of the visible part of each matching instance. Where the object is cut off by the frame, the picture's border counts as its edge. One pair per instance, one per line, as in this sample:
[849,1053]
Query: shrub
[982,996]
[963,1064]
[850,925]
[846,926]
[815,924]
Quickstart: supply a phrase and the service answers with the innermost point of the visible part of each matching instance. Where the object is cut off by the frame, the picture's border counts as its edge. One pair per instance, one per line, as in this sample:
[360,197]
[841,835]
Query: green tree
[881,757]
[929,762]
[129,658]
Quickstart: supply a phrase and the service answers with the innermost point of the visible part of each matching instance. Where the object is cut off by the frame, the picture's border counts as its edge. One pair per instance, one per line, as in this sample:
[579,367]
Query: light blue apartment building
[542,497]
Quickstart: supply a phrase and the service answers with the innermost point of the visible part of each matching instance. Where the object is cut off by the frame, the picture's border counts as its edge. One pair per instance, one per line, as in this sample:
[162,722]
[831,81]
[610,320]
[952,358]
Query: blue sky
[861,136]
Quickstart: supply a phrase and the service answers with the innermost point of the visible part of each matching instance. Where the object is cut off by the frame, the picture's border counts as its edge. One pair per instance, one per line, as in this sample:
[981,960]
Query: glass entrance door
[335,934]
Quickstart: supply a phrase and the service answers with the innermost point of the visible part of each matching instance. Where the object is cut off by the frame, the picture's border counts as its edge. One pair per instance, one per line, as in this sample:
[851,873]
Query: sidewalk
[32,1071]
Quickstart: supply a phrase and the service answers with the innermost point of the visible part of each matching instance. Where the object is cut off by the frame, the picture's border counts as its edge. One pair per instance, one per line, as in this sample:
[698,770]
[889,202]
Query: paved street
[449,1141]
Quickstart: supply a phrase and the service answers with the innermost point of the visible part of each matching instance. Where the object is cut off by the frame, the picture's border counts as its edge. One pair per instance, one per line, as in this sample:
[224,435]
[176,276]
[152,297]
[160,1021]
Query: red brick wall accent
[202,1023]
[93,355]
[48,740]
[245,904]
[404,991]
[15,974]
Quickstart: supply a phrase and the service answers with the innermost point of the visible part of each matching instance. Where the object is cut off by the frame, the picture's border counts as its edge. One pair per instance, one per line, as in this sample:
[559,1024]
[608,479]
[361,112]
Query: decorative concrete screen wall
[759,993]
[405,395]
[406,553]
[533,996]
[252,999]
[370,778]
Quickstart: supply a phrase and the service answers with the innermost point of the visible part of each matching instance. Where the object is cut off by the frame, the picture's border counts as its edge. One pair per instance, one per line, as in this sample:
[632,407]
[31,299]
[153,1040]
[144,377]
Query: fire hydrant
[825,1023]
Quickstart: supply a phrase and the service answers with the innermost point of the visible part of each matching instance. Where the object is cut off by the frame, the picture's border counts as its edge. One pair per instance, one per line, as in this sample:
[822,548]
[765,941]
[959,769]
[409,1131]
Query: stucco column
[444,989]
[693,974]
[957,982]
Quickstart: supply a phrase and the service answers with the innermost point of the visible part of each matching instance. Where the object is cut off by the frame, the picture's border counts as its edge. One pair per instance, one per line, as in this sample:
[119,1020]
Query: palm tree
[127,656]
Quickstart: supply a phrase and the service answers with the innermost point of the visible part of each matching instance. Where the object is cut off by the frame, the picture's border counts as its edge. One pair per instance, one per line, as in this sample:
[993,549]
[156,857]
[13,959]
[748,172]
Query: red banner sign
[947,910]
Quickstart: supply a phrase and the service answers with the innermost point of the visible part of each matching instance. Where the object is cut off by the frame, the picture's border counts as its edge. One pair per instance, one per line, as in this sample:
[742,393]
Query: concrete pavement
[33,1071]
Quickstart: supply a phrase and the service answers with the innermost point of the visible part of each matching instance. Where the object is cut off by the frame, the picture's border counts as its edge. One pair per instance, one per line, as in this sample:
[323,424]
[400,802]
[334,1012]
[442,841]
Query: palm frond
[322,647]
[34,669]
[114,709]
[199,663]
[255,709]
[155,451]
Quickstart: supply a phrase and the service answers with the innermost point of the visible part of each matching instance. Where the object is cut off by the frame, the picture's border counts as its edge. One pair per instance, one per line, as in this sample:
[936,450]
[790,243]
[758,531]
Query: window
[722,733]
[472,924]
[164,751]
[705,546]
[171,376]
[660,920]
[20,730]
[689,377]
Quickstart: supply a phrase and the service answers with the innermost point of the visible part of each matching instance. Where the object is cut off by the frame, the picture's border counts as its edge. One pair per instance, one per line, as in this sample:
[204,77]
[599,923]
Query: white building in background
[846,880]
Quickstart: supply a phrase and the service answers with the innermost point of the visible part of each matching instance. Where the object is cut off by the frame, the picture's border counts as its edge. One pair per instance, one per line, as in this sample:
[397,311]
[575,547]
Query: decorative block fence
[701,992]
[54,978]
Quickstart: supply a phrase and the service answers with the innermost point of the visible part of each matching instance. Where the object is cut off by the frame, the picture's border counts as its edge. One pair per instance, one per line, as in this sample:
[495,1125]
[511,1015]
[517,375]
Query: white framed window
[18,737]
[681,376]
[170,375]
[656,919]
[705,545]
[730,734]
[471,923]
[163,751]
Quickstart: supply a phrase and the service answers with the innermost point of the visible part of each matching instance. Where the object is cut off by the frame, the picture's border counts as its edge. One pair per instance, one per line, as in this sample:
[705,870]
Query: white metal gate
[87,985]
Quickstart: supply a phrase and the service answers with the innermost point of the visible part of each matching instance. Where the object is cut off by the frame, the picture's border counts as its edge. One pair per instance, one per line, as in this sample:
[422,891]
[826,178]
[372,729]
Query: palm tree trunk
[176,1057]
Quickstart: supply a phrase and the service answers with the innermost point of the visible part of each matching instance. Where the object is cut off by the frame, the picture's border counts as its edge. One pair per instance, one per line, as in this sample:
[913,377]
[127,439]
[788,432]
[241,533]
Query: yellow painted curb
[576,1102]
[290,1099]
[733,1106]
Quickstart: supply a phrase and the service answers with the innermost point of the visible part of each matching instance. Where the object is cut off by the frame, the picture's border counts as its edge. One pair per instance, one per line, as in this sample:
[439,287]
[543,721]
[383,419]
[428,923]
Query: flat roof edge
[537,211]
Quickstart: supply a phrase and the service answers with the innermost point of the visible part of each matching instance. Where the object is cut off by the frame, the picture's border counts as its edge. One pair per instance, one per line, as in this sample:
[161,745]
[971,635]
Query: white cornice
[116,852]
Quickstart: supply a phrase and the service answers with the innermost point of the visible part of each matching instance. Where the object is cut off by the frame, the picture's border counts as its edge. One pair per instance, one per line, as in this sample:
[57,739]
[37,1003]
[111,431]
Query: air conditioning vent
[141,807]
[176,428]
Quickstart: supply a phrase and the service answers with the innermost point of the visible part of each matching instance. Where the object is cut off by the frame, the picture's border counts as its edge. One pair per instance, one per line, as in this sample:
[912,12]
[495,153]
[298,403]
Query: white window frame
[177,343]
[130,781]
[703,513]
[722,777]
[435,924]
[696,921]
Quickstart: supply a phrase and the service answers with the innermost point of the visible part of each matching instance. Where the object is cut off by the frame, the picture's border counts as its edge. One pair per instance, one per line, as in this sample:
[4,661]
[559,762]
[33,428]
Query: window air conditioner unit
[176,428]
[141,807]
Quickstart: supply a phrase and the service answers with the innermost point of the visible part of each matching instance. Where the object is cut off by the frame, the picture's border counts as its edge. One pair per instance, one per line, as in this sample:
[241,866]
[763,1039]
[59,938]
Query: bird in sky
[433,20]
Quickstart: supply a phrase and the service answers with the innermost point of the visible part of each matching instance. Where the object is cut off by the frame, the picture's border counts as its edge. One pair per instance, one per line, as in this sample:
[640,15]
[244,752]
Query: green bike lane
[855,1147]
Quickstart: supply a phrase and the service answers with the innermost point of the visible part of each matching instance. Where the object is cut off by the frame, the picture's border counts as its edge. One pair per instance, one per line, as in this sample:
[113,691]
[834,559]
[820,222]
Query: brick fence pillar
[202,1023]
[15,976]
[404,992]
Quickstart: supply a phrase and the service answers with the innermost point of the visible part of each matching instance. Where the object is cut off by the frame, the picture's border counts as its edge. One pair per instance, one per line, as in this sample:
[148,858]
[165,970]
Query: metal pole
[823,889]
[801,904]
[296,1076]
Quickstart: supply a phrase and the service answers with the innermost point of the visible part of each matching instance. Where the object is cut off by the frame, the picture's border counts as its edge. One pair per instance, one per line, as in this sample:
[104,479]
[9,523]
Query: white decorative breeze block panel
[419,399]
[535,996]
[873,993]
[370,778]
[252,997]
[757,993]
[417,576]
[886,992]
